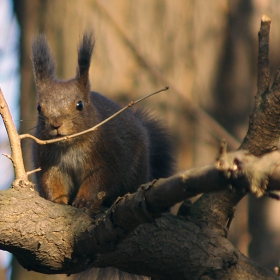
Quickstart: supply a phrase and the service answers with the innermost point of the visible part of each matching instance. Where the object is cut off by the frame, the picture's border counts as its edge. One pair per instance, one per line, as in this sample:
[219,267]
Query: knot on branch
[247,172]
[18,184]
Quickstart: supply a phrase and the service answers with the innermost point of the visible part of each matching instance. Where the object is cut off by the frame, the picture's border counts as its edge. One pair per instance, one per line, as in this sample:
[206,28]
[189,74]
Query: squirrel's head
[64,106]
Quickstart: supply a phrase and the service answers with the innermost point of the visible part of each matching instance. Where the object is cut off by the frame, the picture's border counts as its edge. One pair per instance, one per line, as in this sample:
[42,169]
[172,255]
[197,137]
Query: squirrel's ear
[43,62]
[84,56]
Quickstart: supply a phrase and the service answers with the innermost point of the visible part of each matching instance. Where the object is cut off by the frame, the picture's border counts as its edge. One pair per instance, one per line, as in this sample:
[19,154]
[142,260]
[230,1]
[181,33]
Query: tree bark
[133,235]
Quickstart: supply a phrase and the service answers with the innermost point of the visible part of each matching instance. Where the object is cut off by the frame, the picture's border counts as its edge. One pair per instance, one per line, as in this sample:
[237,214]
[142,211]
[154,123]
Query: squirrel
[129,150]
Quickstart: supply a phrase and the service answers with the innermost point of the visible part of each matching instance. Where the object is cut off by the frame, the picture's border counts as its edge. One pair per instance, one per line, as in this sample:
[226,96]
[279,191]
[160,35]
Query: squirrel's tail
[161,148]
[108,273]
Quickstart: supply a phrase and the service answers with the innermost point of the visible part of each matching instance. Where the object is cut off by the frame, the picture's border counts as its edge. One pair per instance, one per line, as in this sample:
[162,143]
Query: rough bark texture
[166,248]
[133,236]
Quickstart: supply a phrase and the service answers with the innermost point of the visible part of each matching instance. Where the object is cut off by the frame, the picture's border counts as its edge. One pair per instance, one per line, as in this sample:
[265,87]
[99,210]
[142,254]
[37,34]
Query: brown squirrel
[127,151]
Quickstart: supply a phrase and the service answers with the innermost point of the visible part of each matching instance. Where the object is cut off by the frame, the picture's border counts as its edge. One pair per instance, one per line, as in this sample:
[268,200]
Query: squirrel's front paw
[62,199]
[80,202]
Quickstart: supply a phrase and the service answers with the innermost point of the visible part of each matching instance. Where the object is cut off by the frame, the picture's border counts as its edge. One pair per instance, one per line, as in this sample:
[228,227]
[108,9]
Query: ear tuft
[43,62]
[84,56]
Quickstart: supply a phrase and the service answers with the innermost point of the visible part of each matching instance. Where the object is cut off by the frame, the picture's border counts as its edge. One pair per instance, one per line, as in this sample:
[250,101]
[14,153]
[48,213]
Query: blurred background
[205,51]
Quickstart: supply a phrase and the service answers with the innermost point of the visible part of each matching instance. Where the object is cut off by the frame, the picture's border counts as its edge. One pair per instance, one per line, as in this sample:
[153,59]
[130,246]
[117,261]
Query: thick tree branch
[53,238]
[263,58]
[264,130]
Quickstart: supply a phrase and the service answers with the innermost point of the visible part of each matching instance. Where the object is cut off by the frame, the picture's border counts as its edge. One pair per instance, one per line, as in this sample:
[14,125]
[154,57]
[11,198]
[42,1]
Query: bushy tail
[108,273]
[161,149]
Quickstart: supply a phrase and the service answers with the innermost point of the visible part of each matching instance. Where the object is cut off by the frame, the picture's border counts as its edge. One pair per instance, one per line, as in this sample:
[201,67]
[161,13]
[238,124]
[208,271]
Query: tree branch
[16,156]
[53,238]
[263,58]
[263,133]
[262,136]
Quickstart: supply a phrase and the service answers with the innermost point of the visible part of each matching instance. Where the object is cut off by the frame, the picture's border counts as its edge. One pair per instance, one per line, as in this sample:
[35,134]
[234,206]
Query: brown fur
[122,154]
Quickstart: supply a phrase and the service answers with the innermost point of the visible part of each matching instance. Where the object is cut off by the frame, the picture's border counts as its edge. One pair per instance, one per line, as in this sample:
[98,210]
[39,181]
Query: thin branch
[8,157]
[16,152]
[33,171]
[132,103]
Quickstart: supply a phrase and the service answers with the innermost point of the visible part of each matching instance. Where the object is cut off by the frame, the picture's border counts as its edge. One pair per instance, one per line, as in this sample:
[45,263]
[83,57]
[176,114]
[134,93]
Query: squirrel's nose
[56,123]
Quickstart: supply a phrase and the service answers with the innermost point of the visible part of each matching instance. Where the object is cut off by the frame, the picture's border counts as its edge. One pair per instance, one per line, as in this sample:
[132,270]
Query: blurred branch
[201,115]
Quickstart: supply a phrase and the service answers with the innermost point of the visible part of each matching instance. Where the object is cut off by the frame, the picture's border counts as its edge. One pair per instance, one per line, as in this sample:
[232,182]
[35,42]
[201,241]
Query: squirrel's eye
[39,108]
[80,105]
